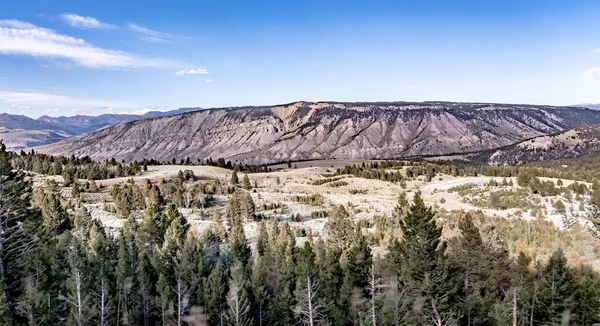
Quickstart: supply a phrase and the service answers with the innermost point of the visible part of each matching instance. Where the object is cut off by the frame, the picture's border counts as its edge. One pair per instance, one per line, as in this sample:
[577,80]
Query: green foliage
[421,264]
[340,229]
[246,182]
[159,270]
[234,178]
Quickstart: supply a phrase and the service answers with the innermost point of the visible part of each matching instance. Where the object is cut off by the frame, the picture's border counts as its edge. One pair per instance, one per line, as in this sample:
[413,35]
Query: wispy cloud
[22,38]
[593,75]
[199,71]
[85,22]
[150,35]
[595,51]
[209,80]
[31,99]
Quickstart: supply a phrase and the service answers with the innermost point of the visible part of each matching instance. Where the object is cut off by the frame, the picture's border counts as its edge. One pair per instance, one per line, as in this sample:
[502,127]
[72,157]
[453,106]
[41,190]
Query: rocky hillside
[20,132]
[567,144]
[323,130]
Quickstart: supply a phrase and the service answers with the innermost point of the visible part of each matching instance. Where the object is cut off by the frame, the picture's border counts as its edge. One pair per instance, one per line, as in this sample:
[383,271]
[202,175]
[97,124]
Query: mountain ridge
[322,130]
[21,132]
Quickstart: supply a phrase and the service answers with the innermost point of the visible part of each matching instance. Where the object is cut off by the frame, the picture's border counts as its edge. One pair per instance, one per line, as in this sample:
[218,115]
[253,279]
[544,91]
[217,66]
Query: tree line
[61,267]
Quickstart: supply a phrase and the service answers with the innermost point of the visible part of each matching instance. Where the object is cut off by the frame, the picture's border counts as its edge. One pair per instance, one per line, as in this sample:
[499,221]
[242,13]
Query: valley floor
[365,199]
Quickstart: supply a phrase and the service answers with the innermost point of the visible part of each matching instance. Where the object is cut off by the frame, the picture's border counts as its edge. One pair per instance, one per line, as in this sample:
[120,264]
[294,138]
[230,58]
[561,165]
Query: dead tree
[373,284]
[308,308]
[77,300]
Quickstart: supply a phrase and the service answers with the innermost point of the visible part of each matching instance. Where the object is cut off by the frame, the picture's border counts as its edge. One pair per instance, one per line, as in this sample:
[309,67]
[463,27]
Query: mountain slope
[323,130]
[571,143]
[20,132]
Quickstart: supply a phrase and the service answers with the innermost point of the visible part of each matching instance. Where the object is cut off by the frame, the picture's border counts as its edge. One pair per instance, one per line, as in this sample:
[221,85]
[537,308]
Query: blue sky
[94,57]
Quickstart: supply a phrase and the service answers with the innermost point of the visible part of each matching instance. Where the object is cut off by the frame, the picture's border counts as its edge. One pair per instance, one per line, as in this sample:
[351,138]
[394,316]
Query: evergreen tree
[234,177]
[263,237]
[175,237]
[191,268]
[164,298]
[340,230]
[246,182]
[259,287]
[16,240]
[421,266]
[556,294]
[147,279]
[587,297]
[215,294]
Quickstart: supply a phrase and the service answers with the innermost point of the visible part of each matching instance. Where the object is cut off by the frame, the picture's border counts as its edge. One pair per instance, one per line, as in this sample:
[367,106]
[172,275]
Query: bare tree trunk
[533,303]
[119,307]
[437,319]
[514,310]
[103,306]
[373,296]
[310,305]
[182,302]
[179,301]
[146,308]
[79,303]
[126,312]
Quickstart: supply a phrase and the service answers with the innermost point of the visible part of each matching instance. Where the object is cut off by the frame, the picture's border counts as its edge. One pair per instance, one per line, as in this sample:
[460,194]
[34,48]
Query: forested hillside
[58,266]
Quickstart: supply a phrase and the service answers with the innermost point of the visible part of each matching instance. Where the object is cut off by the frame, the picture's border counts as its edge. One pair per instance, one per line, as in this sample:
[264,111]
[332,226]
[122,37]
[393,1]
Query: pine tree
[246,182]
[215,294]
[259,288]
[239,247]
[474,261]
[587,297]
[16,243]
[340,230]
[75,191]
[359,262]
[234,178]
[175,237]
[164,298]
[557,290]
[151,234]
[102,263]
[32,305]
[263,237]
[422,266]
[191,268]
[147,279]
[248,207]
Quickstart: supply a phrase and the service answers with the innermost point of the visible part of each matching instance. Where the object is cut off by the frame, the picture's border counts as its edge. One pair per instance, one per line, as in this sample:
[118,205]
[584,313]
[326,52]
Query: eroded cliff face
[304,130]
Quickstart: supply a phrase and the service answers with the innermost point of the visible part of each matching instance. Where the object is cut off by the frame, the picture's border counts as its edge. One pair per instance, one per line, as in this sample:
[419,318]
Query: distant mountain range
[326,130]
[20,132]
[590,106]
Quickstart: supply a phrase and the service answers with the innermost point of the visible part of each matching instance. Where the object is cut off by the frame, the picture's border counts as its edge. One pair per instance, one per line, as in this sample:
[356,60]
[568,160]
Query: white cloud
[31,99]
[22,38]
[209,80]
[85,22]
[199,71]
[593,75]
[595,51]
[13,23]
[150,35]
